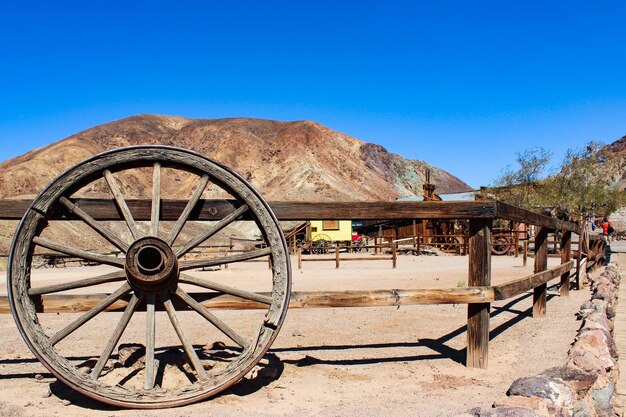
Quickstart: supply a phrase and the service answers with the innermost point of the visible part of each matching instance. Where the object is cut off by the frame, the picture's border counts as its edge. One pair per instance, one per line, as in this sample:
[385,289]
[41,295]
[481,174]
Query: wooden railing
[478,295]
[335,249]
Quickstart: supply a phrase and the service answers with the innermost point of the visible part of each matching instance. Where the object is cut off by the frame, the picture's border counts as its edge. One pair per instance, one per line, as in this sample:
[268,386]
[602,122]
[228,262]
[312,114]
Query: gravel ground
[333,361]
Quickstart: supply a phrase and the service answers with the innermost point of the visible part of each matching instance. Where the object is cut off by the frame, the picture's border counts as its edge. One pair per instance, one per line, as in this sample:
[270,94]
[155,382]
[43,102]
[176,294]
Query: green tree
[522,186]
[584,184]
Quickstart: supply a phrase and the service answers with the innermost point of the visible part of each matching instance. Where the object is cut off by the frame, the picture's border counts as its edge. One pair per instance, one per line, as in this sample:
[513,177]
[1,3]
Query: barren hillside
[301,161]
[285,160]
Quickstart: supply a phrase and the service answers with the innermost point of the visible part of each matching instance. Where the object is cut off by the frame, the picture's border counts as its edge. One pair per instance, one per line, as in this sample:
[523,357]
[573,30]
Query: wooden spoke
[62,334]
[223,327]
[121,204]
[246,256]
[79,253]
[87,282]
[95,225]
[150,335]
[156,199]
[121,326]
[216,286]
[178,226]
[213,230]
[191,353]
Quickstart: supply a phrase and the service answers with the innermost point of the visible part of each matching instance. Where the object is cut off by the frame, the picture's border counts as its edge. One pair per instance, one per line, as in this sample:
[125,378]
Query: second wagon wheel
[500,245]
[165,346]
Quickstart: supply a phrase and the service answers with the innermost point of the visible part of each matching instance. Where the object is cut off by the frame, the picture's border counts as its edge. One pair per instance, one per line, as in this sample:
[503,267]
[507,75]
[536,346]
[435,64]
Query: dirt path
[335,362]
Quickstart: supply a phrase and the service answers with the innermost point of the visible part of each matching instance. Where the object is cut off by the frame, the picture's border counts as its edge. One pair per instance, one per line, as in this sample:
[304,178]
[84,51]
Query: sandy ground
[335,362]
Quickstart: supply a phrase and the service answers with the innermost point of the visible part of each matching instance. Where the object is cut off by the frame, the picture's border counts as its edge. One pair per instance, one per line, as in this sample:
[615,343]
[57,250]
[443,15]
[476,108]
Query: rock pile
[585,385]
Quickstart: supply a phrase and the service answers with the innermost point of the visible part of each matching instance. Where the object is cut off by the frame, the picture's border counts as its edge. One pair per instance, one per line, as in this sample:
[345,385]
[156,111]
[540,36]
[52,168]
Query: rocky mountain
[618,219]
[288,161]
[619,146]
[301,160]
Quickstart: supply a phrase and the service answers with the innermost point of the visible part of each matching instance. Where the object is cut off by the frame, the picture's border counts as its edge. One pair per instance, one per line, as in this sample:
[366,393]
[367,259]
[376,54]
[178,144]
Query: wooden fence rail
[337,259]
[479,294]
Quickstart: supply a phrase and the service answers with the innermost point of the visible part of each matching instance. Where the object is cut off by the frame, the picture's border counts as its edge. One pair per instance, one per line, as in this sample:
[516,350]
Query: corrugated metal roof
[466,196]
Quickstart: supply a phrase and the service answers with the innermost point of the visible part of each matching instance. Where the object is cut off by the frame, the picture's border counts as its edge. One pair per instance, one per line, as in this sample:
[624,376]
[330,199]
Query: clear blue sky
[461,85]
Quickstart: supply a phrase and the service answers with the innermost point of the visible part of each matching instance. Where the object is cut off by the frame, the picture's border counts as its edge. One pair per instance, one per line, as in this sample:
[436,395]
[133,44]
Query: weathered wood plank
[517,286]
[479,275]
[566,255]
[105,209]
[518,214]
[363,258]
[540,293]
[74,303]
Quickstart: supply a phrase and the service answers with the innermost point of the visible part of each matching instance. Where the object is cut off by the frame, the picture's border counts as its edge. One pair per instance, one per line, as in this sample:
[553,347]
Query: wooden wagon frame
[153,267]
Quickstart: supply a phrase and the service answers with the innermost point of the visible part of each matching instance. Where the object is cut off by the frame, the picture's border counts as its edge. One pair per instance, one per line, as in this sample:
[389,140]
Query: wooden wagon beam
[518,214]
[517,286]
[105,209]
[73,303]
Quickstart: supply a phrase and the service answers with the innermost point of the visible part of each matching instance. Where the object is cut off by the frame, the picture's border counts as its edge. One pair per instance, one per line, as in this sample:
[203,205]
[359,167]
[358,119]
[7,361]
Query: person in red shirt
[606,230]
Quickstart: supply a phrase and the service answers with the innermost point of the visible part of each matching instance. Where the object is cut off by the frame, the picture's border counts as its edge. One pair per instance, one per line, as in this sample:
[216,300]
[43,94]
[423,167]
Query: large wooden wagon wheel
[151,275]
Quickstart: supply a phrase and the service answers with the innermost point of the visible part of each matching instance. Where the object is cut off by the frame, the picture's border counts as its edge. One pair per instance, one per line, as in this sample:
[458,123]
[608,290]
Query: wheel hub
[151,265]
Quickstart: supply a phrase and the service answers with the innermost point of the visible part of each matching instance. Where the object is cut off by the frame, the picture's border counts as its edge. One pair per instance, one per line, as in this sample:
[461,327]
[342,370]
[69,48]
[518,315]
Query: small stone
[579,381]
[583,360]
[66,402]
[600,343]
[602,398]
[46,393]
[552,389]
[38,377]
[28,404]
[597,320]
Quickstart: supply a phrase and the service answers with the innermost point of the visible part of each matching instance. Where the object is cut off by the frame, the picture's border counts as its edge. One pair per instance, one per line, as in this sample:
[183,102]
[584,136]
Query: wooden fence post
[465,244]
[566,254]
[394,255]
[588,250]
[581,241]
[516,239]
[540,293]
[336,255]
[418,248]
[479,275]
[300,257]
